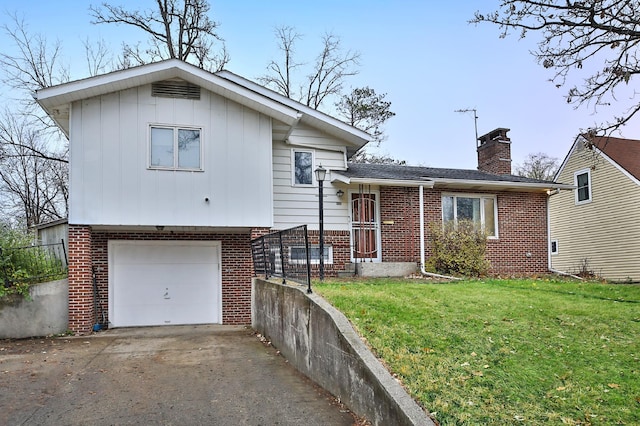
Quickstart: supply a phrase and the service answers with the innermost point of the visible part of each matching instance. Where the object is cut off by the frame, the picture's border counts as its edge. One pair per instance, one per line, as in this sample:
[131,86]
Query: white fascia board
[393,182]
[311,116]
[51,97]
[579,139]
[505,185]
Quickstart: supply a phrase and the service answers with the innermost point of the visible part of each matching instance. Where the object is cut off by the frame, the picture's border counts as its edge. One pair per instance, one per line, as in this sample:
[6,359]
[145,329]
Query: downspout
[549,265]
[422,255]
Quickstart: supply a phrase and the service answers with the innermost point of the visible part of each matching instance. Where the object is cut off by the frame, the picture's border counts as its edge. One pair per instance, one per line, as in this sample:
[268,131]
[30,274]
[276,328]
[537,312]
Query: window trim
[293,168]
[576,191]
[553,243]
[327,261]
[493,197]
[176,129]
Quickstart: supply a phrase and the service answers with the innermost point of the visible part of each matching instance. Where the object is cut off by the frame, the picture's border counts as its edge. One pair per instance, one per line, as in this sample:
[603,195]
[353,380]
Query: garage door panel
[161,282]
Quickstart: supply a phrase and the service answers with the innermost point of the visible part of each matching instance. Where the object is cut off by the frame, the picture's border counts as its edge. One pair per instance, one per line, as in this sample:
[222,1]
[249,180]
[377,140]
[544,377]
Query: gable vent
[175,89]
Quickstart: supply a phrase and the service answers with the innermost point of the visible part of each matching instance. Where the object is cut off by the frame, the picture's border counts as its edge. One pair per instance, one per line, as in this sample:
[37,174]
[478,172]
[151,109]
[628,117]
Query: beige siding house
[596,227]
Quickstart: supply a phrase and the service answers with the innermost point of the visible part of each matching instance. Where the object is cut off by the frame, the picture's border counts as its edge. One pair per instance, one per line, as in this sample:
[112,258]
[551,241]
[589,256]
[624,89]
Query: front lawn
[504,351]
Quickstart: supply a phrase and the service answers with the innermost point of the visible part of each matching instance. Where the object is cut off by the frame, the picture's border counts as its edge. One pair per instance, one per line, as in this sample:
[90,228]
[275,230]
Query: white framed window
[480,209]
[297,254]
[554,247]
[302,167]
[582,181]
[175,148]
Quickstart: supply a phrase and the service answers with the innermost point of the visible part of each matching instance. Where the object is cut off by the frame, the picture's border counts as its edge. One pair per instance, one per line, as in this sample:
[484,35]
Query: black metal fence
[33,264]
[283,254]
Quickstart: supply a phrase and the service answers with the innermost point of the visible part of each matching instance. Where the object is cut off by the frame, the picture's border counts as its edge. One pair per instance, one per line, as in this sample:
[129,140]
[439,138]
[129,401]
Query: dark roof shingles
[414,173]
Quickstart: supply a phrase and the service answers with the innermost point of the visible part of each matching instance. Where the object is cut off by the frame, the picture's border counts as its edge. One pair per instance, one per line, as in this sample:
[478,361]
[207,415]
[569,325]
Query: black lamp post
[321,173]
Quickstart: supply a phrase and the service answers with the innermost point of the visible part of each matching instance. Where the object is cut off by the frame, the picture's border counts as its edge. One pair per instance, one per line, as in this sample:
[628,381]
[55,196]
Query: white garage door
[164,282]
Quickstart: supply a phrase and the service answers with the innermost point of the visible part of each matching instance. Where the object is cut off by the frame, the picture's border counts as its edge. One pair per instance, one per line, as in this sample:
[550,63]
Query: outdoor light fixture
[340,193]
[321,173]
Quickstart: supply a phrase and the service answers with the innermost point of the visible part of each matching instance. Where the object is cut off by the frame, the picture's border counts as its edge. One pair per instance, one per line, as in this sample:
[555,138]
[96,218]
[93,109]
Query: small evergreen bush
[458,250]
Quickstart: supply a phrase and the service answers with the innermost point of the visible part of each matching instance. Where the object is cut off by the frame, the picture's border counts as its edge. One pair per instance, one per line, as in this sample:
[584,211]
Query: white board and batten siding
[298,205]
[604,233]
[110,179]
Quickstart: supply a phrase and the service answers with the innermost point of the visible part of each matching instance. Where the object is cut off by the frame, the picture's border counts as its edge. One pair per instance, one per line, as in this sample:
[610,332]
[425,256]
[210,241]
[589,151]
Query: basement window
[297,255]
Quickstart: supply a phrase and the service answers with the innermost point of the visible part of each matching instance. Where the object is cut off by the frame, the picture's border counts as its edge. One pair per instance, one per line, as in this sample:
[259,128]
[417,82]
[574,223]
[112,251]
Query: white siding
[110,181]
[604,232]
[292,205]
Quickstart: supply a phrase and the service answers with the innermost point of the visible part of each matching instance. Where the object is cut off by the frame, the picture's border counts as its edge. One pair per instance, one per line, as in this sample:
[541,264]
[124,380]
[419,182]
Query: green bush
[21,268]
[458,250]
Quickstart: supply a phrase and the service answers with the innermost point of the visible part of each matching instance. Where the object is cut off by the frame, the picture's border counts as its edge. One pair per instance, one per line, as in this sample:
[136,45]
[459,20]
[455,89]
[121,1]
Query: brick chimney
[494,152]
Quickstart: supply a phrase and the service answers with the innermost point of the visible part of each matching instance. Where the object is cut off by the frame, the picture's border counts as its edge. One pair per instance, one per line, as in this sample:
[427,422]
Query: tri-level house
[595,229]
[174,169]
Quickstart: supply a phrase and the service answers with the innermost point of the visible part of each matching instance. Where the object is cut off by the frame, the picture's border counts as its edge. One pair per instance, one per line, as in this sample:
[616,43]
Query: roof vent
[175,89]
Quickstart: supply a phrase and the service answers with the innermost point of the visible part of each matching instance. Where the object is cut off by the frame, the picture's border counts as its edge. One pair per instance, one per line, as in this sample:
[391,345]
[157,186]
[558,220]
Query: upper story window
[302,167]
[175,148]
[582,180]
[479,209]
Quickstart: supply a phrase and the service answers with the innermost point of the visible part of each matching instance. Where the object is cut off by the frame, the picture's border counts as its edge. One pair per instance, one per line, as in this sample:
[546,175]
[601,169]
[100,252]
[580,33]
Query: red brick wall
[89,248]
[81,317]
[340,241]
[522,228]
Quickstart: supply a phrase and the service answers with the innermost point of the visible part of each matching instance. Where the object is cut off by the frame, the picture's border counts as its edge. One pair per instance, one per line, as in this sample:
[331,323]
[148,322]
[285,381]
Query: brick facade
[521,247]
[89,249]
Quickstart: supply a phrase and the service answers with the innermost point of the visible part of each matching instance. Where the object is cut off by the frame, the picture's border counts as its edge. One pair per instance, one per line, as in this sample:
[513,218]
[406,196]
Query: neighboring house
[596,227]
[173,170]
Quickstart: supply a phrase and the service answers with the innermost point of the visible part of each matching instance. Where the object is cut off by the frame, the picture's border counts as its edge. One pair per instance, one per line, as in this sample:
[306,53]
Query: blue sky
[423,54]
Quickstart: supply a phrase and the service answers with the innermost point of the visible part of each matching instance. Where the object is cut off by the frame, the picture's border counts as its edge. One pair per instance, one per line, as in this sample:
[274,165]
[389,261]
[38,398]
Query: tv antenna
[475,119]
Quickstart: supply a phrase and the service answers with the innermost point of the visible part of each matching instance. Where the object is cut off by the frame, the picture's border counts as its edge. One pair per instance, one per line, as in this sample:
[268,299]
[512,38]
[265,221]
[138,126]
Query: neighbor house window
[297,255]
[554,246]
[175,148]
[478,209]
[582,180]
[302,167]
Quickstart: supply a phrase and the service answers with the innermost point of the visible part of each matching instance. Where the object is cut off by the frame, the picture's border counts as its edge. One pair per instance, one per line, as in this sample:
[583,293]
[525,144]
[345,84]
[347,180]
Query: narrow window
[583,184]
[175,148]
[554,246]
[302,167]
[297,255]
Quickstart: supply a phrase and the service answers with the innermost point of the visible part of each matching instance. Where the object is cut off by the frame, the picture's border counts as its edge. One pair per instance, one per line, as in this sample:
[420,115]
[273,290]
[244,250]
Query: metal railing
[283,254]
[33,264]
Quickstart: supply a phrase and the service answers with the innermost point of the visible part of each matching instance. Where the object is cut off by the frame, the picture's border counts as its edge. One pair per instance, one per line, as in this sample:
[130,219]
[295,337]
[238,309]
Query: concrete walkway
[179,375]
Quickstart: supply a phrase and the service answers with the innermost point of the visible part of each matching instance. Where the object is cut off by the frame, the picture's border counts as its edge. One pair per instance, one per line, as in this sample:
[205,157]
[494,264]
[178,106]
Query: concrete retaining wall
[386,269]
[46,313]
[319,341]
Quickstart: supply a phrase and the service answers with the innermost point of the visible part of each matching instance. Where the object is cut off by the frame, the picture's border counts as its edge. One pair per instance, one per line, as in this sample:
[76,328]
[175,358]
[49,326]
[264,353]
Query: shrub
[458,250]
[19,268]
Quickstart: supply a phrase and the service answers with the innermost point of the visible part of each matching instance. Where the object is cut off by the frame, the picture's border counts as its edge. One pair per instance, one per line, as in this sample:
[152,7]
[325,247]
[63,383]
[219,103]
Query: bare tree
[538,166]
[179,29]
[37,64]
[325,77]
[602,35]
[34,187]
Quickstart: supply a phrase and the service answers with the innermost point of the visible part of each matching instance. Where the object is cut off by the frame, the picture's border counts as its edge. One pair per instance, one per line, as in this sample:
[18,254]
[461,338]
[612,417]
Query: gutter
[422,256]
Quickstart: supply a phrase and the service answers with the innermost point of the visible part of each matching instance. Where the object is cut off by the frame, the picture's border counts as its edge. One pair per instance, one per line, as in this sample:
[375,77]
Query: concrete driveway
[182,375]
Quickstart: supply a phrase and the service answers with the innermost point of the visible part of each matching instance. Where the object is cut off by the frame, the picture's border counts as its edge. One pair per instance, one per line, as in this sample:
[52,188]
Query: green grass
[504,352]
